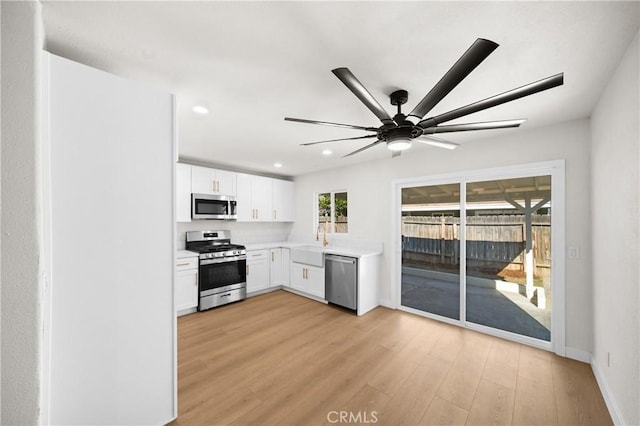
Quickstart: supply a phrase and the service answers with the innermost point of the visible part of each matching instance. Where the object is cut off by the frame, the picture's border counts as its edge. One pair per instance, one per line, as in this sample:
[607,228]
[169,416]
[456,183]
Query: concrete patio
[501,309]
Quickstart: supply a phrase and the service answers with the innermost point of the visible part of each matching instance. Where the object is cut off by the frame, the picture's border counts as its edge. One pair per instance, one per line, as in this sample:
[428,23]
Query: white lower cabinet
[276,267]
[257,270]
[279,267]
[308,279]
[186,285]
[286,268]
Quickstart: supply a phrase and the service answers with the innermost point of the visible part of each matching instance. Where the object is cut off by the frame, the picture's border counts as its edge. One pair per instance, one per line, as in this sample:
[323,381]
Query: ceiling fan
[400,131]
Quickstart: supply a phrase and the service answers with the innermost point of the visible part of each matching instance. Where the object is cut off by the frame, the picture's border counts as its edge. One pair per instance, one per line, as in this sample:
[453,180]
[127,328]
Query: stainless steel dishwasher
[341,280]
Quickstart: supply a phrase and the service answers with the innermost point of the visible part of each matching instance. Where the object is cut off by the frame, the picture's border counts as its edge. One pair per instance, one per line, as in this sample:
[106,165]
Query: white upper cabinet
[243,198]
[282,199]
[254,198]
[261,193]
[212,181]
[259,198]
[183,192]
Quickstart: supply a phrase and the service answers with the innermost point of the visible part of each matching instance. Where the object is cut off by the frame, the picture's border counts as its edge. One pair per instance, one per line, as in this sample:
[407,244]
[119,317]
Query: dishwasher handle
[341,259]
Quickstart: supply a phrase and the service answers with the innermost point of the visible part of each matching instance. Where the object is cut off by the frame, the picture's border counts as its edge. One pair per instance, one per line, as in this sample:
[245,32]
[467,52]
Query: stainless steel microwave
[221,207]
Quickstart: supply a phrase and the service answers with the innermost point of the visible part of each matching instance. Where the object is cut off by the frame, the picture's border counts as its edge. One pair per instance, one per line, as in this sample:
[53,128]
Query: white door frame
[556,169]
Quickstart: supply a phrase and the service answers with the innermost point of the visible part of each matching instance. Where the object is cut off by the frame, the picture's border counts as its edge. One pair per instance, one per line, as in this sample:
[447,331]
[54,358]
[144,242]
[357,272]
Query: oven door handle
[222,260]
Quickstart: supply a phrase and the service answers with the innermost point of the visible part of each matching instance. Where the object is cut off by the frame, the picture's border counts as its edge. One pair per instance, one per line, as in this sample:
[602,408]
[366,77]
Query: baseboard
[616,416]
[264,291]
[386,303]
[578,354]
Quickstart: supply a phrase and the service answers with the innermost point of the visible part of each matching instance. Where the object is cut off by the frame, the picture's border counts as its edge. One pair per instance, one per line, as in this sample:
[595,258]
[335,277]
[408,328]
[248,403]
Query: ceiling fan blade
[470,59]
[520,92]
[336,140]
[362,149]
[395,154]
[327,123]
[363,94]
[441,143]
[485,125]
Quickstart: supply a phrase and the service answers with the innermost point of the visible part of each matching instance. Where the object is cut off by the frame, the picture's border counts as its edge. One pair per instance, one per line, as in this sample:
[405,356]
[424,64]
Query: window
[332,212]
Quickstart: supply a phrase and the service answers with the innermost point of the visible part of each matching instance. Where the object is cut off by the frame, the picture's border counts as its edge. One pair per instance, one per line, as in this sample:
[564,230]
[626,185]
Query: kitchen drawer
[257,254]
[186,263]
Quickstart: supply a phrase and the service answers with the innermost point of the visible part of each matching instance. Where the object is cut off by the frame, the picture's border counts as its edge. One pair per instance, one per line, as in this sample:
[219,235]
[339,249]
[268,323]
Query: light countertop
[183,254]
[343,251]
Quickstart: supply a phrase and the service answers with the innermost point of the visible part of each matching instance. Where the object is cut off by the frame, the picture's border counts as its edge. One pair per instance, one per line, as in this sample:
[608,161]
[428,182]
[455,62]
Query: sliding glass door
[508,255]
[431,249]
[478,252]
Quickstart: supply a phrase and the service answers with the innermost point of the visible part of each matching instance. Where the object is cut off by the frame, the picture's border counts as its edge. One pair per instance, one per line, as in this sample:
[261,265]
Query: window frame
[316,212]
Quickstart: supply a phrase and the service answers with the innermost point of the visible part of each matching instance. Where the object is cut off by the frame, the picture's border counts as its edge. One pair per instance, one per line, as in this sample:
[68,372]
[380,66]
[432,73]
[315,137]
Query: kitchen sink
[309,255]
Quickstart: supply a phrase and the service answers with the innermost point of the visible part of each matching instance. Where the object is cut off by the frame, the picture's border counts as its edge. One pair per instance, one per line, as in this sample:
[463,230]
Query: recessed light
[199,109]
[277,165]
[327,152]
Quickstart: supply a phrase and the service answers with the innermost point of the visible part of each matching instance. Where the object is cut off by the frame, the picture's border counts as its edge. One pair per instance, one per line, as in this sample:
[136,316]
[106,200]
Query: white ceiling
[253,63]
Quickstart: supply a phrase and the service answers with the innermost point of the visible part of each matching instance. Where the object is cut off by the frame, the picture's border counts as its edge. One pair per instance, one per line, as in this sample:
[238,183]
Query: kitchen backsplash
[241,232]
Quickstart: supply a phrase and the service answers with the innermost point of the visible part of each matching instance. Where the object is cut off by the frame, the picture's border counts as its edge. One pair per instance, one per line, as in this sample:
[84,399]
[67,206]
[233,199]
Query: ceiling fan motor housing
[397,132]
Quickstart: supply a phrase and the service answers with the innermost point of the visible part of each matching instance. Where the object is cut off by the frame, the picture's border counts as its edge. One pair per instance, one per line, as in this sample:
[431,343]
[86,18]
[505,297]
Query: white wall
[369,188]
[21,238]
[615,211]
[110,263]
[241,232]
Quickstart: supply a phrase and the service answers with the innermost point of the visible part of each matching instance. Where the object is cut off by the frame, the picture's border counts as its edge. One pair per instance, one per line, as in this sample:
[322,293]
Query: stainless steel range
[222,273]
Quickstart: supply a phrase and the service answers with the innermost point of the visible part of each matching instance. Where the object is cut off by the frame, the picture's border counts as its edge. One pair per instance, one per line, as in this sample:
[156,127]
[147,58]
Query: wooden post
[528,235]
[442,242]
[528,252]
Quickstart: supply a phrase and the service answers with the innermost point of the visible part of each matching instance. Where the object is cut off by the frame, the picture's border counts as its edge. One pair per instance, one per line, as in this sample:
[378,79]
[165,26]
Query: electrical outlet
[574,252]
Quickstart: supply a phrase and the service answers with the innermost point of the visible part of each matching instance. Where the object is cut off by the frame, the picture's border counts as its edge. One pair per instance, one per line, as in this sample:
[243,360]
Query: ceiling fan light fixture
[400,144]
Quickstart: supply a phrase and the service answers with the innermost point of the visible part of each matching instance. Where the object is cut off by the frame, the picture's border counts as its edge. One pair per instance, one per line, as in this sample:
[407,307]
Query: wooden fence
[341,224]
[493,242]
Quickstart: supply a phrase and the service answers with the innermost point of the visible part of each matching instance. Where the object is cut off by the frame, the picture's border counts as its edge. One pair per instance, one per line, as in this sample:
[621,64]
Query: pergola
[525,195]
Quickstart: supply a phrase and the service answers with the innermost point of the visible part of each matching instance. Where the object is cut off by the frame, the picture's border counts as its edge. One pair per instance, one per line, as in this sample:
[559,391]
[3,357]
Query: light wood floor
[281,359]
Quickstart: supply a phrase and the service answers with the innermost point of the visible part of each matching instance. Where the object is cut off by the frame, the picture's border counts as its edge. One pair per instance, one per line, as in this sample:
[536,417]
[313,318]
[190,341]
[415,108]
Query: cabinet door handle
[182,264]
[257,213]
[275,215]
[247,270]
[272,255]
